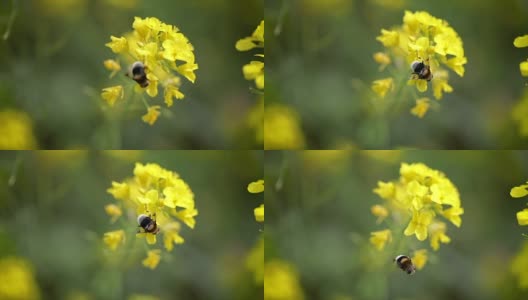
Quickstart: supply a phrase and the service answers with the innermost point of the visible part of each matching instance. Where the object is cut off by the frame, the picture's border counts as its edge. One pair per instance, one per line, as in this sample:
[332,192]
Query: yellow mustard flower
[282,129]
[382,59]
[17,280]
[255,69]
[112,65]
[114,239]
[152,115]
[281,281]
[425,194]
[259,213]
[16,131]
[382,86]
[425,43]
[158,54]
[113,211]
[256,187]
[379,211]
[438,235]
[519,191]
[380,238]
[153,258]
[419,258]
[421,107]
[172,236]
[255,261]
[522,217]
[112,94]
[519,266]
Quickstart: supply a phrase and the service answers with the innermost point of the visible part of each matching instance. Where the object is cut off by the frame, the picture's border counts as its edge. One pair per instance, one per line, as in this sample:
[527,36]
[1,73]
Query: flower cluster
[16,132]
[519,192]
[157,54]
[521,42]
[255,69]
[282,129]
[281,281]
[428,40]
[155,192]
[255,188]
[422,195]
[17,280]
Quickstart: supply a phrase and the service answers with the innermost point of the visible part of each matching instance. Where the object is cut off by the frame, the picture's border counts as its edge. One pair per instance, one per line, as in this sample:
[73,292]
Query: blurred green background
[319,62]
[52,69]
[52,215]
[318,219]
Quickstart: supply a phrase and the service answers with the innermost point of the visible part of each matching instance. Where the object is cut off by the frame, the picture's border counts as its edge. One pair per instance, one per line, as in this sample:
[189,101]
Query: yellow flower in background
[380,238]
[112,65]
[282,129]
[425,43]
[159,194]
[424,195]
[255,120]
[152,115]
[382,86]
[69,9]
[379,211]
[113,211]
[519,192]
[520,114]
[521,42]
[17,280]
[114,239]
[421,107]
[419,258]
[522,217]
[255,261]
[16,131]
[259,213]
[255,69]
[158,55]
[281,281]
[152,260]
[519,266]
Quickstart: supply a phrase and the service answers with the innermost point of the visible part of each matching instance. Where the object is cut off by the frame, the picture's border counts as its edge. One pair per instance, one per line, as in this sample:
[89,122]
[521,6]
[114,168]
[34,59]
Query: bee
[148,224]
[404,262]
[138,74]
[421,70]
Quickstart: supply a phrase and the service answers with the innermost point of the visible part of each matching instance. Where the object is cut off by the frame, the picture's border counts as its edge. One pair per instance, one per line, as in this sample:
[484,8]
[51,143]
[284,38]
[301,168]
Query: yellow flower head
[282,129]
[521,42]
[112,94]
[259,213]
[114,239]
[158,54]
[17,281]
[113,211]
[419,258]
[380,238]
[256,187]
[382,86]
[153,258]
[522,217]
[421,108]
[16,131]
[281,281]
[438,235]
[255,69]
[379,211]
[152,115]
[382,59]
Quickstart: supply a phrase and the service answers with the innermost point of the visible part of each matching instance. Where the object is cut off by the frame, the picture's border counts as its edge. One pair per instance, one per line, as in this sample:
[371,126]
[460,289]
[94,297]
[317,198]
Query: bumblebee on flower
[156,54]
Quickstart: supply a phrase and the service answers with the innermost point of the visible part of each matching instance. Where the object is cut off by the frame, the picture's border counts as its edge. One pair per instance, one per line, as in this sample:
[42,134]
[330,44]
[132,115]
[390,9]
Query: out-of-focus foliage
[52,59]
[320,217]
[53,217]
[320,63]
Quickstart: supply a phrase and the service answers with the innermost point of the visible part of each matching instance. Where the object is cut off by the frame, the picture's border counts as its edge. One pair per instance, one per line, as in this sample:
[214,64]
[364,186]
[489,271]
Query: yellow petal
[519,191]
[521,41]
[524,68]
[151,238]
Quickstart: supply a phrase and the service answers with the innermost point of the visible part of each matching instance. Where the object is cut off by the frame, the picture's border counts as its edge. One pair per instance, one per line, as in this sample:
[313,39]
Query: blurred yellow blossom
[282,129]
[281,281]
[17,280]
[522,217]
[519,266]
[254,188]
[379,211]
[519,192]
[16,132]
[521,42]
[255,69]
[259,213]
[255,261]
[520,114]
[153,258]
[158,54]
[419,258]
[438,235]
[380,238]
[421,107]
[114,239]
[113,211]
[425,43]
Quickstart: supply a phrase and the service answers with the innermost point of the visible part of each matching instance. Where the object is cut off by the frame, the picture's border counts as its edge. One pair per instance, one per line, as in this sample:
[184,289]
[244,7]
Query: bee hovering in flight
[148,224]
[404,262]
[137,72]
[421,70]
